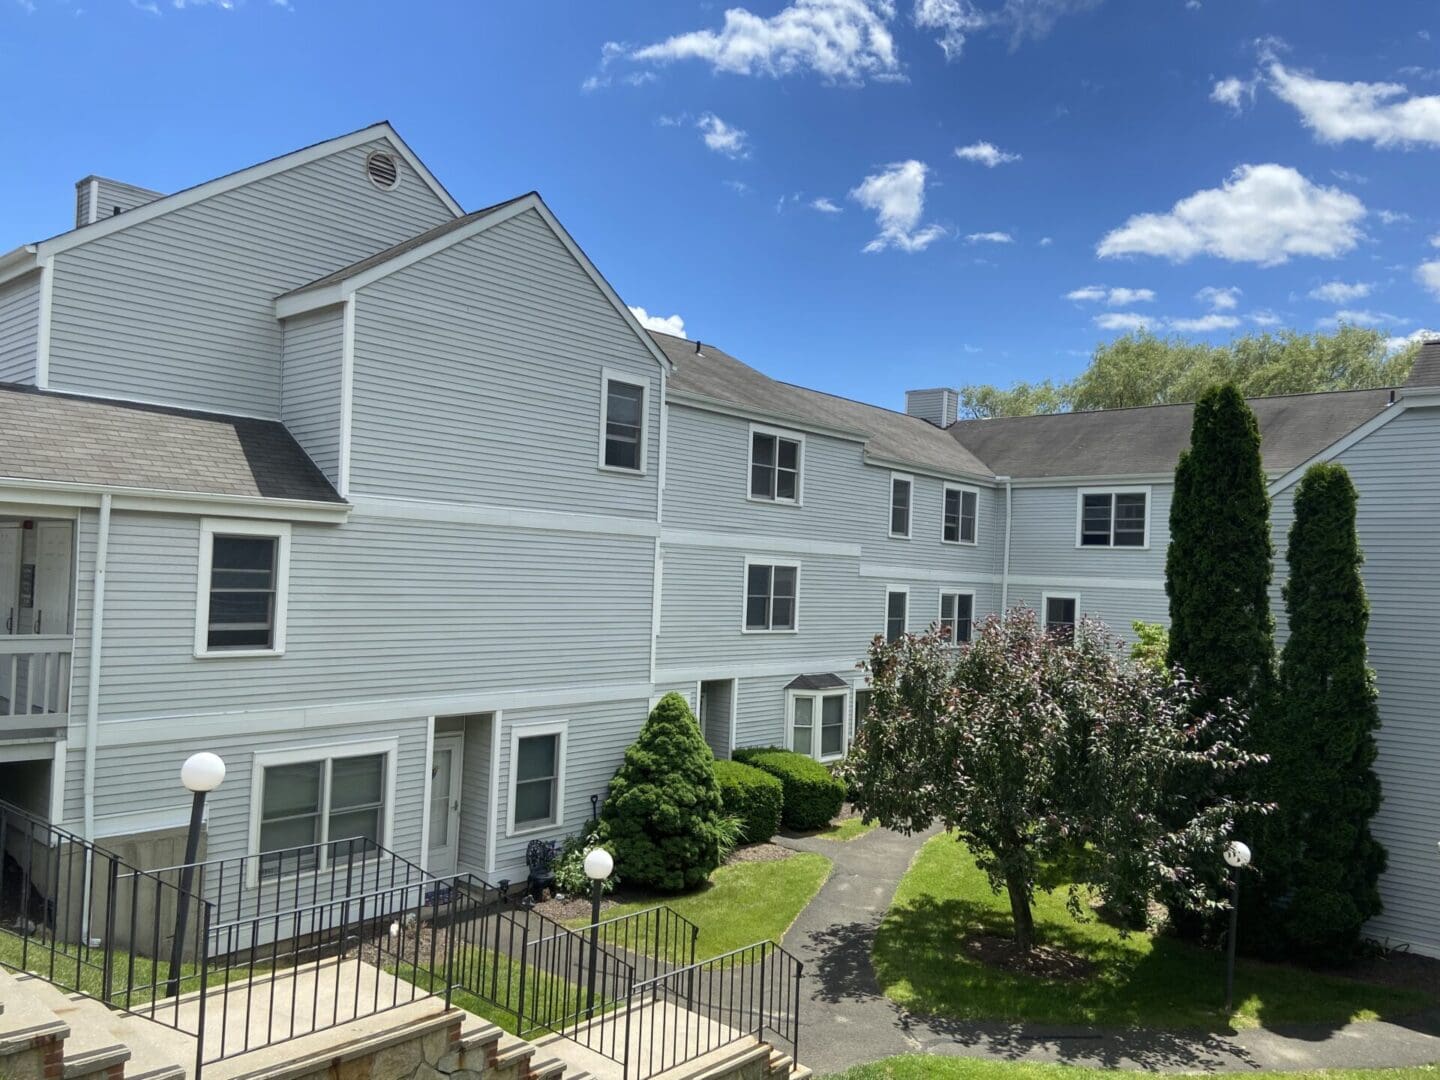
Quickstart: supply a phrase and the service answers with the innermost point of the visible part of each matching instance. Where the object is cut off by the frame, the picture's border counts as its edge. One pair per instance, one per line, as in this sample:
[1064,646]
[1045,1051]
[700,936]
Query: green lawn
[88,976]
[1138,980]
[848,829]
[929,1067]
[743,903]
[550,999]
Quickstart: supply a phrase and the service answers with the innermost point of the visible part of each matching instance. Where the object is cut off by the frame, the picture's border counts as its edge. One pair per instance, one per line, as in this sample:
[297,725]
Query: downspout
[1005,566]
[92,689]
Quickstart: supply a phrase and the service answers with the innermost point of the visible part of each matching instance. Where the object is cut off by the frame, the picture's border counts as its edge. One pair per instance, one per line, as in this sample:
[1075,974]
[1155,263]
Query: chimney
[940,406]
[97,198]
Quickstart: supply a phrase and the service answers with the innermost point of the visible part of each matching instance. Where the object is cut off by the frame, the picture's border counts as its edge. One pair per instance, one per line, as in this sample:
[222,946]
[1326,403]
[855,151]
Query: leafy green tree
[663,818]
[1041,754]
[1319,864]
[1152,644]
[1022,399]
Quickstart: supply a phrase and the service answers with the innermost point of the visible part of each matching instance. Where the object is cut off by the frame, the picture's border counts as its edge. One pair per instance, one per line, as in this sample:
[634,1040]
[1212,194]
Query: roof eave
[20,489]
[19,262]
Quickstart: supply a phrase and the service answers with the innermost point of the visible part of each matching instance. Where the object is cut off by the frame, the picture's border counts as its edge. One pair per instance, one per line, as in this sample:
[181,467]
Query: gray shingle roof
[78,440]
[892,435]
[1146,441]
[1426,371]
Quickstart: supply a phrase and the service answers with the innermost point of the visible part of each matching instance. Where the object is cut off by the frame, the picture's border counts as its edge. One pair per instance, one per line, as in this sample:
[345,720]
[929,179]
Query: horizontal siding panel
[19,328]
[311,386]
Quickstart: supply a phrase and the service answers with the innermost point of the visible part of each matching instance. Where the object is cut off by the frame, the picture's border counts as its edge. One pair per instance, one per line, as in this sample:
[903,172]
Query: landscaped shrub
[569,869]
[663,819]
[811,795]
[752,795]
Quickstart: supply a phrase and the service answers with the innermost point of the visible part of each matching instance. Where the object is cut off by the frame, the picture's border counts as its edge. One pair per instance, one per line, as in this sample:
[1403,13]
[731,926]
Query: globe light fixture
[1237,854]
[1237,857]
[599,864]
[202,772]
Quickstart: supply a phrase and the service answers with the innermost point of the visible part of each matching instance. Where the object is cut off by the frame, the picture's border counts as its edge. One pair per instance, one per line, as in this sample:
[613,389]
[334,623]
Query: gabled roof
[1147,441]
[1426,371]
[705,371]
[75,440]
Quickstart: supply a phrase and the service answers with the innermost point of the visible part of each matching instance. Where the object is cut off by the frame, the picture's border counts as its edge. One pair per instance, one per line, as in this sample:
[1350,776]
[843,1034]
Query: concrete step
[550,1068]
[719,1064]
[512,1051]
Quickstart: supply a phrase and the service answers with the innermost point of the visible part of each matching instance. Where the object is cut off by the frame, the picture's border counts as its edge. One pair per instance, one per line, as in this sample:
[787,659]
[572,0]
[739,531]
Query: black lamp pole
[187,882]
[596,888]
[1230,944]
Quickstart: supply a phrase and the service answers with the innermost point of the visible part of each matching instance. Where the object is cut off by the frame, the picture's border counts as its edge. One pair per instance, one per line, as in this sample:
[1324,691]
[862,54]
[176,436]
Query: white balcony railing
[34,681]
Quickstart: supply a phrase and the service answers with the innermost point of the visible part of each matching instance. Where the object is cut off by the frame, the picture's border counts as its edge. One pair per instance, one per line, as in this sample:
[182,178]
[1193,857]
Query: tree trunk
[1020,912]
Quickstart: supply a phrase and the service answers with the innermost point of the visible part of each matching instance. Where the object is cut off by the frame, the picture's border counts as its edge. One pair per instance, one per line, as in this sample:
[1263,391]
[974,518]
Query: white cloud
[1435,240]
[1123,320]
[987,154]
[1089,292]
[1234,93]
[1035,18]
[1395,344]
[897,195]
[839,40]
[1385,114]
[954,19]
[1428,275]
[1204,324]
[1345,176]
[1113,297]
[1341,292]
[825,206]
[665,324]
[1393,217]
[1265,318]
[989,238]
[1226,299]
[1361,318]
[1046,241]
[1262,214]
[737,186]
[722,137]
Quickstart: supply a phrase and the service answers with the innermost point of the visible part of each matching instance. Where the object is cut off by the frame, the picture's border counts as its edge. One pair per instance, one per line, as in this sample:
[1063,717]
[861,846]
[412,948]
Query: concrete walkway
[847,1020]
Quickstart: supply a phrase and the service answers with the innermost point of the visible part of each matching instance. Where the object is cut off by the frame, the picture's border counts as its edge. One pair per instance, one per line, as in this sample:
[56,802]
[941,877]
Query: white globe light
[202,772]
[1237,854]
[598,864]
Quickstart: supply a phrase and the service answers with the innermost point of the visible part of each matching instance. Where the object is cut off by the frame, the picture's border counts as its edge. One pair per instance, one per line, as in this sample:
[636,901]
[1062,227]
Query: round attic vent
[382,170]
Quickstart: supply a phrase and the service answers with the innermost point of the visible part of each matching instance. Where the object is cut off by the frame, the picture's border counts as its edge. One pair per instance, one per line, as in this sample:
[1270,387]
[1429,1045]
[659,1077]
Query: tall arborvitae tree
[1319,862]
[1217,570]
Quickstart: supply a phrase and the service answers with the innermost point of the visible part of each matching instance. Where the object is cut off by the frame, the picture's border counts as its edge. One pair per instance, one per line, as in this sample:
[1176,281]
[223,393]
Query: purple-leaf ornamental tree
[1050,759]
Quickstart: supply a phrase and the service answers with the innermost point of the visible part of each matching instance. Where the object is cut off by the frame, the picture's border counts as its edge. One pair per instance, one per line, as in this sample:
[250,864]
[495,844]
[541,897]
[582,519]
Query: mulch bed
[1044,961]
[766,852]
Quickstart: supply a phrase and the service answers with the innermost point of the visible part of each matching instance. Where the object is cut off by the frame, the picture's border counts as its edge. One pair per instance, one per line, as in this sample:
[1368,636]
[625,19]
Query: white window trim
[607,376]
[940,607]
[845,694]
[1080,494]
[890,507]
[885,622]
[529,731]
[265,759]
[781,433]
[862,683]
[1045,599]
[209,528]
[963,489]
[765,560]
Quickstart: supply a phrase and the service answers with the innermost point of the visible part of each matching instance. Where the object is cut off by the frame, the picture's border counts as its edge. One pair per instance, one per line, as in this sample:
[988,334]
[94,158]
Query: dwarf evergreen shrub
[663,816]
[812,796]
[752,795]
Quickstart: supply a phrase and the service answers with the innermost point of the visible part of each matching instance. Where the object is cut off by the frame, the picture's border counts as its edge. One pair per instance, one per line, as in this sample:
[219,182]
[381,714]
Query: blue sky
[1006,182]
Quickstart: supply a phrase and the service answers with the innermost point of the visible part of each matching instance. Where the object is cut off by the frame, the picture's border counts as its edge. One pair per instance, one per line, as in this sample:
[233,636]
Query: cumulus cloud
[985,153]
[1112,297]
[897,196]
[1265,318]
[839,40]
[1226,299]
[825,206]
[1124,320]
[1353,317]
[1234,93]
[1036,18]
[1435,240]
[1046,241]
[955,20]
[722,137]
[1262,214]
[1204,324]
[1428,275]
[1341,292]
[1385,114]
[989,238]
[1395,344]
[665,324]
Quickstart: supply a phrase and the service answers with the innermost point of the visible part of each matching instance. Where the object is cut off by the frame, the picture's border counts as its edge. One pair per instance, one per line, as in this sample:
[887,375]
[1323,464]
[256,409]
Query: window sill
[899,536]
[531,830]
[748,630]
[620,471]
[773,502]
[960,543]
[226,654]
[1112,547]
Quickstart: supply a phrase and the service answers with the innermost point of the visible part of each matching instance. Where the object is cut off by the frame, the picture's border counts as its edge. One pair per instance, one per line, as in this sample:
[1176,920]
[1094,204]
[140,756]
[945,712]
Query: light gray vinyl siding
[19,328]
[1117,608]
[113,196]
[475,793]
[82,203]
[180,308]
[478,379]
[311,385]
[939,406]
[379,609]
[1044,536]
[761,703]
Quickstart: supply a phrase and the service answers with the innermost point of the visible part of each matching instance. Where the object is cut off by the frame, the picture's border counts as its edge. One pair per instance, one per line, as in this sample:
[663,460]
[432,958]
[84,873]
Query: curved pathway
[848,1020]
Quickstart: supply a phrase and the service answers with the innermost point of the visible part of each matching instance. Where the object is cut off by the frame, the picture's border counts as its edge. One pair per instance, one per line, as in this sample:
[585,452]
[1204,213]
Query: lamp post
[201,774]
[598,866]
[1237,855]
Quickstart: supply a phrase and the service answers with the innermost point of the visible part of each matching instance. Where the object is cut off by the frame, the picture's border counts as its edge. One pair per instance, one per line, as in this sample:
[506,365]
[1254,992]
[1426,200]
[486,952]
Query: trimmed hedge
[752,795]
[812,796]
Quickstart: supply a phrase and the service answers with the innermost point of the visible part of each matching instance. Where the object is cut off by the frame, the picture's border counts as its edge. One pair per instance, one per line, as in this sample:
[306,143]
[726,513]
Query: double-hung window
[957,616]
[1115,519]
[1061,614]
[897,612]
[624,404]
[817,725]
[776,459]
[537,774]
[959,514]
[902,489]
[243,580]
[772,591]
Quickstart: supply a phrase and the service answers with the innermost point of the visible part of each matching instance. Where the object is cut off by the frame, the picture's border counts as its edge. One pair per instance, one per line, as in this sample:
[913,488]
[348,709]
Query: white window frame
[559,728]
[964,489]
[1143,489]
[779,433]
[910,509]
[209,529]
[885,624]
[846,696]
[765,560]
[940,609]
[607,376]
[304,755]
[1045,599]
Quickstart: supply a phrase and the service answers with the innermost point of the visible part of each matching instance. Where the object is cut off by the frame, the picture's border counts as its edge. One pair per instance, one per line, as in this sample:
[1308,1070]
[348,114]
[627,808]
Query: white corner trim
[94,214]
[211,527]
[607,376]
[559,728]
[42,332]
[493,821]
[1339,446]
[347,396]
[429,780]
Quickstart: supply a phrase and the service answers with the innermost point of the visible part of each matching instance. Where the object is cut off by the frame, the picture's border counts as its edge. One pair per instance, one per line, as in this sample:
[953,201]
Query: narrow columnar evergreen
[1321,863]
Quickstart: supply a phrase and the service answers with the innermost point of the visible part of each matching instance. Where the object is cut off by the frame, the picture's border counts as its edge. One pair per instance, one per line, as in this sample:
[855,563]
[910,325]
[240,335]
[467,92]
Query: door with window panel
[446,772]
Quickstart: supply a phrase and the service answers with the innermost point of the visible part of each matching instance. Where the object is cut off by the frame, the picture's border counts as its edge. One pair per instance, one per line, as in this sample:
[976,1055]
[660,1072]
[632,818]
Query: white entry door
[445,786]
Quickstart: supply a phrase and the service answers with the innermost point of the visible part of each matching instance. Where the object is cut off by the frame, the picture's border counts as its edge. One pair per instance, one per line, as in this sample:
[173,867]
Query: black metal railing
[656,940]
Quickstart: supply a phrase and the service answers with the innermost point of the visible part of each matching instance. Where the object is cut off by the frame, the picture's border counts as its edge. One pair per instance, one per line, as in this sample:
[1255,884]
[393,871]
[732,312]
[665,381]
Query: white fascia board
[1109,482]
[1339,446]
[23,260]
[686,399]
[220,185]
[22,490]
